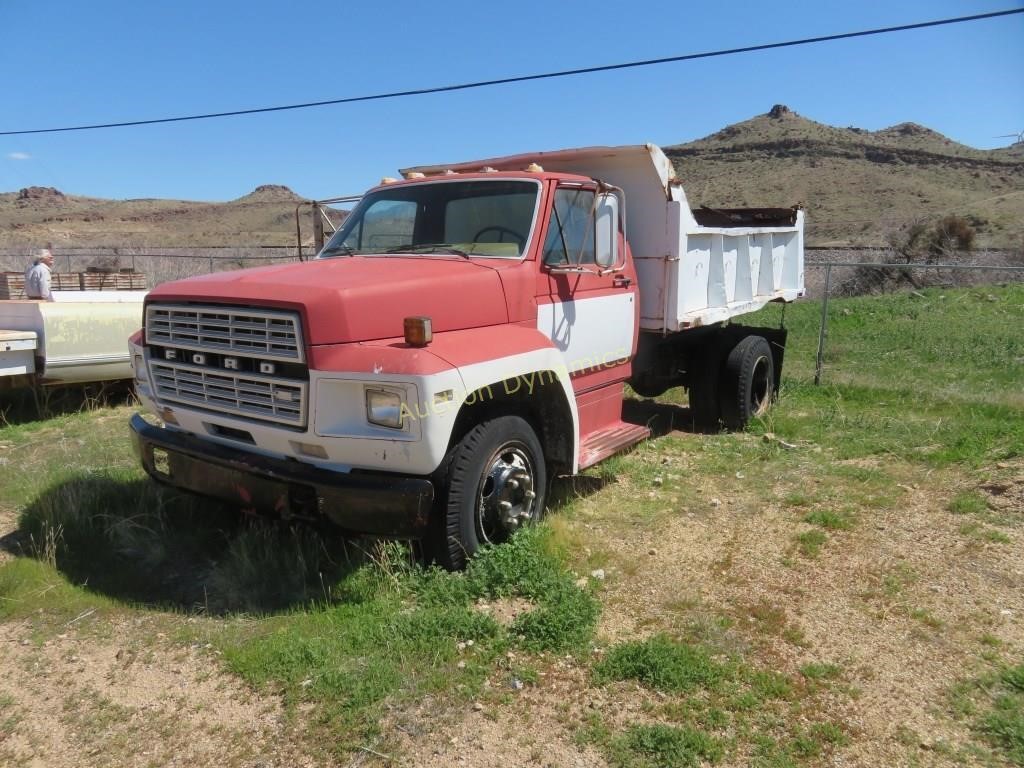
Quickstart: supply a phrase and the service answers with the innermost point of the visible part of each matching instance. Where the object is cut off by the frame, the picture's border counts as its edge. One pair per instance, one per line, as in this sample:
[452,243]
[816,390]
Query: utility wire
[528,78]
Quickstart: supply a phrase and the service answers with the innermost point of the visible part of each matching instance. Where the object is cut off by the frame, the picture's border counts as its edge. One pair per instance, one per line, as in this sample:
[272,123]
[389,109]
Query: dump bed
[694,267]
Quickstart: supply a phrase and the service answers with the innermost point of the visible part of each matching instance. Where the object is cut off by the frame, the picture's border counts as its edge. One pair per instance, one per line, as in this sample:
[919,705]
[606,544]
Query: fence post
[822,331]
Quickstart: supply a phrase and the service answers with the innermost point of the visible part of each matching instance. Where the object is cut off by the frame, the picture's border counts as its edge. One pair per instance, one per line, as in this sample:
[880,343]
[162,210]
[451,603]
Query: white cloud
[19,156]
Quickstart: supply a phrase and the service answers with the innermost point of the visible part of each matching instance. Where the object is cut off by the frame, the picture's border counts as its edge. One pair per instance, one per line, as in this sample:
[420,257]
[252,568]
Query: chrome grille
[265,334]
[260,397]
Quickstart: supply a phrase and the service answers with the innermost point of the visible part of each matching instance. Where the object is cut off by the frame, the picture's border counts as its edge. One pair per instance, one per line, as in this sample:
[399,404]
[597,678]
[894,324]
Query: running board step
[599,445]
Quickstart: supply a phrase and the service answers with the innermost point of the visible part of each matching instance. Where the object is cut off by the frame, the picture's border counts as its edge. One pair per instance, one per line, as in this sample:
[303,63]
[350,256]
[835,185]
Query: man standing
[37,277]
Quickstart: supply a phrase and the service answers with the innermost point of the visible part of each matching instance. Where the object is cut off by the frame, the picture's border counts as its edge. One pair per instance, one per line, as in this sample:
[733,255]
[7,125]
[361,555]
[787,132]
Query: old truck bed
[81,336]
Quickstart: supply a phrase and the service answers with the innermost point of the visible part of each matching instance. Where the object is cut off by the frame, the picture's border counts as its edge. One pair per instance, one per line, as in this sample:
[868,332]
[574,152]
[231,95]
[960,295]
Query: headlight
[384,408]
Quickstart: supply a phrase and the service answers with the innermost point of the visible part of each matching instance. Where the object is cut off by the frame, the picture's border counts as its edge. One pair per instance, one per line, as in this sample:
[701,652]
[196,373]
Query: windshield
[468,218]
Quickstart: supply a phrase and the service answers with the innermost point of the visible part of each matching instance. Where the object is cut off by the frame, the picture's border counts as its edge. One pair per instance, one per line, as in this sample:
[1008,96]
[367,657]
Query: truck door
[587,291]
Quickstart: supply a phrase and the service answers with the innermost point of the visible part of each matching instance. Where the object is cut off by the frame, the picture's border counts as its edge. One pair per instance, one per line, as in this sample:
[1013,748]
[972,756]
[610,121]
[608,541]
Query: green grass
[982,519]
[830,520]
[968,503]
[811,542]
[993,703]
[127,538]
[664,746]
[398,632]
[1003,724]
[665,665]
[709,698]
[934,381]
[820,671]
[9,717]
[961,343]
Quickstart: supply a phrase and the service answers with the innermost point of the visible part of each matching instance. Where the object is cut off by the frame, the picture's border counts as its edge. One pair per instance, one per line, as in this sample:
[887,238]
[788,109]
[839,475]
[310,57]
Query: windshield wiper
[428,248]
[330,253]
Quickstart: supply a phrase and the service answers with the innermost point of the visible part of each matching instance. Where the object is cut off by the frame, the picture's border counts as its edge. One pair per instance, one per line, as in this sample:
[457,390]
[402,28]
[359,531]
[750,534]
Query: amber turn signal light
[417,331]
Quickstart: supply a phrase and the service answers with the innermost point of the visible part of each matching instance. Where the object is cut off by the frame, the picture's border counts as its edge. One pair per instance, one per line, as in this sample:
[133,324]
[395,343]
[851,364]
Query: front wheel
[496,484]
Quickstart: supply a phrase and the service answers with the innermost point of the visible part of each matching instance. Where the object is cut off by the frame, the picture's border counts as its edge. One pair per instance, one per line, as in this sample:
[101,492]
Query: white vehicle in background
[79,337]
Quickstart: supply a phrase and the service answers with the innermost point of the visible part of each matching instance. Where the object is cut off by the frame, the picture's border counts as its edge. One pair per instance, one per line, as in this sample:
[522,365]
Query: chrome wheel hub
[507,496]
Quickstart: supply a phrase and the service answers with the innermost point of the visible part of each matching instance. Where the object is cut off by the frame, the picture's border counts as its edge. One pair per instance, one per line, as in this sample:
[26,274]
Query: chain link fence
[886,277]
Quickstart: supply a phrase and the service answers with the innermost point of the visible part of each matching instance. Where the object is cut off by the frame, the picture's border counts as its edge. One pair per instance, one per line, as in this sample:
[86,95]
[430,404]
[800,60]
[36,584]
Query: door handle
[621,281]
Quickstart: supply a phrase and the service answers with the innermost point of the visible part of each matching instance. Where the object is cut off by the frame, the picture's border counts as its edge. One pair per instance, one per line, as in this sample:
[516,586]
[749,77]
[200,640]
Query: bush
[952,233]
[922,239]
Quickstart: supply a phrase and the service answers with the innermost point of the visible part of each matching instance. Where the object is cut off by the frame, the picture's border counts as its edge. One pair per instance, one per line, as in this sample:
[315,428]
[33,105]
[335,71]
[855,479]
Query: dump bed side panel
[716,273]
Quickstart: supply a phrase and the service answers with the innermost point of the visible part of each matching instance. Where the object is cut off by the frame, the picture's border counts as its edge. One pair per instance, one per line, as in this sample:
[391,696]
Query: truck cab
[466,334]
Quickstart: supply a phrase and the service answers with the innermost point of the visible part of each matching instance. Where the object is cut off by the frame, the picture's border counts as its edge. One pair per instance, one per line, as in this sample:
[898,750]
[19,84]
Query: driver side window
[386,224]
[570,238]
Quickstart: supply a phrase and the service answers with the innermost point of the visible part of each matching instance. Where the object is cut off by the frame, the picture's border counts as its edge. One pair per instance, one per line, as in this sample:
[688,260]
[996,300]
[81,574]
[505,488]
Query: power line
[528,78]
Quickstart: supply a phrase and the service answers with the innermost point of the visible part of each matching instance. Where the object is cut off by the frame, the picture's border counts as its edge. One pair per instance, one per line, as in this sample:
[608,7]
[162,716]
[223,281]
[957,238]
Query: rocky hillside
[42,214]
[860,187]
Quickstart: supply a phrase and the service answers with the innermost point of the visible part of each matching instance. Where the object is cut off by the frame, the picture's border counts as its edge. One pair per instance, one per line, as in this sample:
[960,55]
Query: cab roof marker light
[488,169]
[415,175]
[388,180]
[534,168]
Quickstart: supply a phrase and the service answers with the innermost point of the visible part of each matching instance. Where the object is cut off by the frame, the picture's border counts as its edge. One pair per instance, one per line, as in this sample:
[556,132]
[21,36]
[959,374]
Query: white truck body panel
[80,336]
[690,275]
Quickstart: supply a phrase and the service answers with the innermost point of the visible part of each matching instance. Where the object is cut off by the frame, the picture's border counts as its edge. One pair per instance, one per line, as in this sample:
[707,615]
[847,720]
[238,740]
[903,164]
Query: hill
[44,214]
[860,187]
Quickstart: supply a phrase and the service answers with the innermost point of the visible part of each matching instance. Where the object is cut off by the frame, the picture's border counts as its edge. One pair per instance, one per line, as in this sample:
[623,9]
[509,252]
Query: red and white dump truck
[467,334]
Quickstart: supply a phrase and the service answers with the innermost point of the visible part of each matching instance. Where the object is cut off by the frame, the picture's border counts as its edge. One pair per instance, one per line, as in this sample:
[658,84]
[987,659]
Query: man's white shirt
[37,282]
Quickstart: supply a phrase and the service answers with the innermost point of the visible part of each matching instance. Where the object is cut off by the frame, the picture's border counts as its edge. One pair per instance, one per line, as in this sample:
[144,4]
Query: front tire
[496,483]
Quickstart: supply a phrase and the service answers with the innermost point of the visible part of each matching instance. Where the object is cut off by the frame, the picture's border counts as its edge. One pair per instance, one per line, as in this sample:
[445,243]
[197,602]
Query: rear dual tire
[748,382]
[734,391]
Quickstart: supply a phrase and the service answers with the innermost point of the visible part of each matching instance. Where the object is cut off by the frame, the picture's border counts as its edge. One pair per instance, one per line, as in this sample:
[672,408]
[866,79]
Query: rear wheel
[747,382]
[496,484]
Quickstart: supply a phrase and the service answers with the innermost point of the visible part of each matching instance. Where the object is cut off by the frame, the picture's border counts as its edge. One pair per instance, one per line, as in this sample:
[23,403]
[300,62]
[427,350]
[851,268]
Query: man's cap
[43,253]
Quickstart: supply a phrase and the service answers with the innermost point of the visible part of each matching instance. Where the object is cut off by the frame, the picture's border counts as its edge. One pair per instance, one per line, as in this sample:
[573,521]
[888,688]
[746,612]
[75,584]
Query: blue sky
[69,62]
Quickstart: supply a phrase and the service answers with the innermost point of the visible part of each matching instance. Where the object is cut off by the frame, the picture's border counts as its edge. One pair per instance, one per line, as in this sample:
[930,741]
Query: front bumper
[371,503]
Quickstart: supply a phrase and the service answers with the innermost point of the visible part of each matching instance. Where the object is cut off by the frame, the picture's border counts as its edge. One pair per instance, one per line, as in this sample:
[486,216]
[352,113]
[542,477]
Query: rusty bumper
[370,503]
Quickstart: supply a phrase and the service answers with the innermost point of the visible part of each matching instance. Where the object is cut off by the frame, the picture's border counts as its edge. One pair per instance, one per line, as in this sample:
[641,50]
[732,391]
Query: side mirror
[606,221]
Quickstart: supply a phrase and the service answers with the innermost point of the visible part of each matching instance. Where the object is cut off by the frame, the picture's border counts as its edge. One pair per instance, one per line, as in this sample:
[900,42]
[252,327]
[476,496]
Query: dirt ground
[86,700]
[900,602]
[900,653]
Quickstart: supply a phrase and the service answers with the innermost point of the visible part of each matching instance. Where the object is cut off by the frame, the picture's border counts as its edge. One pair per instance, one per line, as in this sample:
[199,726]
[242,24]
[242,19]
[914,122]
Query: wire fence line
[896,275]
[826,277]
[163,263]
